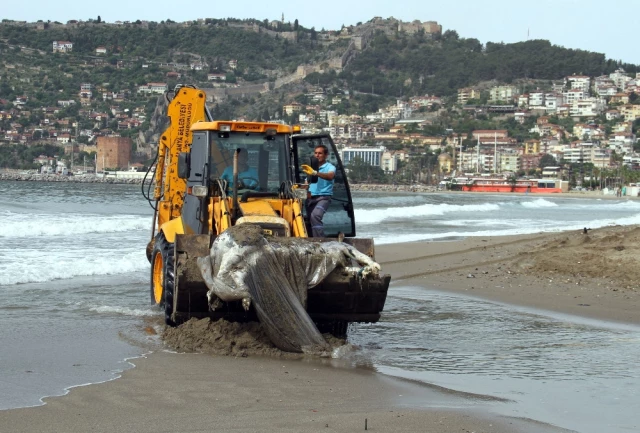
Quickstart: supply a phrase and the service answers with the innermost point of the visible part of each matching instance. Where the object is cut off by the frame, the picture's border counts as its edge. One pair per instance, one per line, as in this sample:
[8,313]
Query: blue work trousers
[316,208]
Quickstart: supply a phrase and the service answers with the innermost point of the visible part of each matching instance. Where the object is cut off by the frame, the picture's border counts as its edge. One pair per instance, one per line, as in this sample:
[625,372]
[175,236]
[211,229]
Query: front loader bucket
[340,298]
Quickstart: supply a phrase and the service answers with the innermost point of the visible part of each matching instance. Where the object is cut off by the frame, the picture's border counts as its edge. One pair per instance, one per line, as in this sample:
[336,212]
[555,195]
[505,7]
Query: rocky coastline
[87,178]
[391,188]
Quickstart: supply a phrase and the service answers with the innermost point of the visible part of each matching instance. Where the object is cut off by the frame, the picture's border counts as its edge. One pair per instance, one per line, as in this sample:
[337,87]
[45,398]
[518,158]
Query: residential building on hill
[489,133]
[502,93]
[467,93]
[620,78]
[62,46]
[579,82]
[153,88]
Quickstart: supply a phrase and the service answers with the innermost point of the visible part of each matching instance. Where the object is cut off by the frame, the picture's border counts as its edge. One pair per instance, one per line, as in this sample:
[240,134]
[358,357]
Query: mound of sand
[611,253]
[229,339]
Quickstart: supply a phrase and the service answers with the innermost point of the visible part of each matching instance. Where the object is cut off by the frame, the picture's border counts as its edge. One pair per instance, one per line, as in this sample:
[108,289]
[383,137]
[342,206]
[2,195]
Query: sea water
[75,304]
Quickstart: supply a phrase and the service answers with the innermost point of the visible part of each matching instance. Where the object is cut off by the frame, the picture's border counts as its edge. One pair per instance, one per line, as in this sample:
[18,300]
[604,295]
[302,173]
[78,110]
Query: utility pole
[478,156]
[495,152]
[581,164]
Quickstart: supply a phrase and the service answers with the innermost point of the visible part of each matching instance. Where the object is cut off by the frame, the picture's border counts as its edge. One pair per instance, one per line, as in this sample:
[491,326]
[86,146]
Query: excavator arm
[186,108]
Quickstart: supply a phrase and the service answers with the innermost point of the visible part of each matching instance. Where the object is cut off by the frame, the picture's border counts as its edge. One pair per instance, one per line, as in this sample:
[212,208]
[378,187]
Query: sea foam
[49,267]
[39,225]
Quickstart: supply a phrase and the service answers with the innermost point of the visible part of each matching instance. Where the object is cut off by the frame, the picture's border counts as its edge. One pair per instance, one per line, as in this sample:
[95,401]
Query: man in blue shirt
[321,191]
[248,175]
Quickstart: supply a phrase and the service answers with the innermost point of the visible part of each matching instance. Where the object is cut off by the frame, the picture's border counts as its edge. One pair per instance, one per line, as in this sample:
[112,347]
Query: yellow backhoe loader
[195,203]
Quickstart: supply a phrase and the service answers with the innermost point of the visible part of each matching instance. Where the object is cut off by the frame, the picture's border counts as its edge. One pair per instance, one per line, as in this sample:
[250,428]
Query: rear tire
[158,259]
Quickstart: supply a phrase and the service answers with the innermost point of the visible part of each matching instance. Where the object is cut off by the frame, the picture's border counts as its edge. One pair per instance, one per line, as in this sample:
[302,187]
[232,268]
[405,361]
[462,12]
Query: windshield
[262,160]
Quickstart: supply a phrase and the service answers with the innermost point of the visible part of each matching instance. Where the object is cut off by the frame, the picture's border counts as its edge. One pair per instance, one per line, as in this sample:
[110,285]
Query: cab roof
[229,125]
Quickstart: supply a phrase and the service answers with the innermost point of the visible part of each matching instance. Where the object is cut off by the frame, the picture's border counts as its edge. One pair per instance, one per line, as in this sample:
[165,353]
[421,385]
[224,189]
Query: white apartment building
[552,101]
[581,153]
[390,161]
[307,118]
[620,78]
[509,162]
[587,107]
[374,117]
[480,163]
[602,80]
[326,114]
[153,88]
[502,93]
[536,99]
[402,110]
[588,153]
[523,100]
[62,46]
[487,163]
[627,138]
[612,114]
[467,161]
[631,160]
[600,157]
[369,155]
[573,95]
[606,90]
[581,82]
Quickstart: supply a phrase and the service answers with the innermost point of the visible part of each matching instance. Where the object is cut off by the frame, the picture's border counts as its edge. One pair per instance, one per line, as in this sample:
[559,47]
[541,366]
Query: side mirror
[184,162]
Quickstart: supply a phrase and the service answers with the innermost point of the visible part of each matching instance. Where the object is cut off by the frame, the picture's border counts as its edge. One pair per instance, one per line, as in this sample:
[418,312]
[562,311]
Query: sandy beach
[593,274]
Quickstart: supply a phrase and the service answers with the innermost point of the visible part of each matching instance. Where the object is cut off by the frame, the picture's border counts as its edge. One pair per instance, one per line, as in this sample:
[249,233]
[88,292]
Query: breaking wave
[374,216]
[538,203]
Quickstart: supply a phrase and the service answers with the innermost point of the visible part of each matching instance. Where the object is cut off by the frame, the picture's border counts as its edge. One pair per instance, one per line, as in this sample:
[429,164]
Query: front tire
[169,286]
[337,328]
[163,277]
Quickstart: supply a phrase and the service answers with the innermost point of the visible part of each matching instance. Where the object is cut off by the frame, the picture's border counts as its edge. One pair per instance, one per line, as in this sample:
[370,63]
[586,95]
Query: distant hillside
[218,41]
[377,58]
[413,65]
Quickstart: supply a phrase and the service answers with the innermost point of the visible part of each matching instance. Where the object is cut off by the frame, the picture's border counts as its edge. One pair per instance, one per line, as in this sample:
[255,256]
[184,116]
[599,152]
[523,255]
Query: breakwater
[59,178]
[392,188]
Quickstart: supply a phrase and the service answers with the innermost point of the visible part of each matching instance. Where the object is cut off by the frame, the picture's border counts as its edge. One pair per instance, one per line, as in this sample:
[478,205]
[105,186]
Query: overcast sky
[607,27]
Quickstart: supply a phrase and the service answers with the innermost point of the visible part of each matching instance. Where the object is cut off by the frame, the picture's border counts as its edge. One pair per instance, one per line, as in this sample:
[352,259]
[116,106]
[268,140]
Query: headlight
[199,191]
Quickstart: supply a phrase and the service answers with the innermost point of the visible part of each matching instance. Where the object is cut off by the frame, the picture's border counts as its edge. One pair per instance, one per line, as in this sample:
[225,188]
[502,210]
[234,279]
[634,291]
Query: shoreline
[192,392]
[187,392]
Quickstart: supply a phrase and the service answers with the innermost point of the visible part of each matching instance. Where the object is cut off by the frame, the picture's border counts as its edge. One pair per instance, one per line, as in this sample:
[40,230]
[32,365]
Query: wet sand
[195,392]
[593,275]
